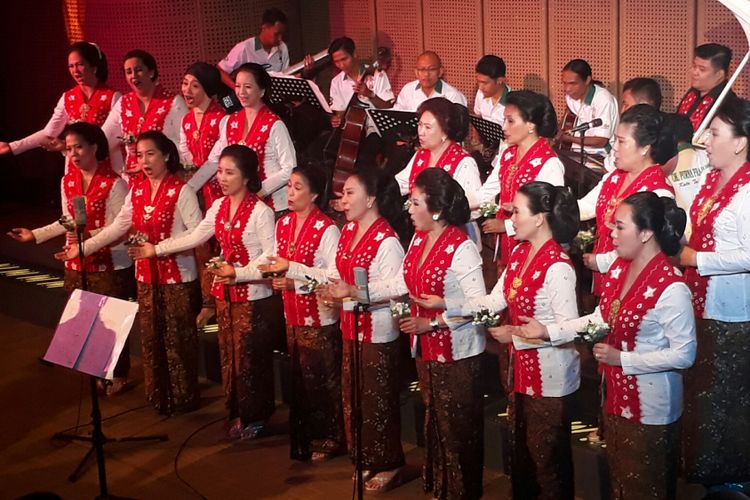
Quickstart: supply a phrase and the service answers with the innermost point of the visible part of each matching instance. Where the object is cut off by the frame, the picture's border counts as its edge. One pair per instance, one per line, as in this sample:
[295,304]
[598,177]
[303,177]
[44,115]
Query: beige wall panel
[517,32]
[357,22]
[453,29]
[399,26]
[656,40]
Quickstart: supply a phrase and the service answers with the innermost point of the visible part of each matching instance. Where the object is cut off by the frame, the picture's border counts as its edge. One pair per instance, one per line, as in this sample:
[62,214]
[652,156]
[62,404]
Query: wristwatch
[434,324]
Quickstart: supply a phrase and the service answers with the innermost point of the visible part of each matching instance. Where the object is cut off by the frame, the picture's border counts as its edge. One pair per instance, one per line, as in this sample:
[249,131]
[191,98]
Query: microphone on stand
[79,212]
[597,122]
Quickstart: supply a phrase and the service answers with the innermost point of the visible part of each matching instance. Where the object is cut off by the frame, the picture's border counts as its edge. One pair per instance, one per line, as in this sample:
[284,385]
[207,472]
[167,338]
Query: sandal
[252,430]
[386,480]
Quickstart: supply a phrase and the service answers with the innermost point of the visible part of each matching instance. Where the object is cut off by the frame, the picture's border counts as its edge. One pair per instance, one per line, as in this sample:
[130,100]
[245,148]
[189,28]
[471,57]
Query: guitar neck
[294,68]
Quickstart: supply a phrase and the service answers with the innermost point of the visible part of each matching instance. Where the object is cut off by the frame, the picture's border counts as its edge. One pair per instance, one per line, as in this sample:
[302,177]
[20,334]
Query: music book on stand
[91,333]
[287,87]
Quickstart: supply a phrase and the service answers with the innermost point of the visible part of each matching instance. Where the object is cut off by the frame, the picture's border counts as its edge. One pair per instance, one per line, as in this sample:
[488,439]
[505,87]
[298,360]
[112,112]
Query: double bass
[352,129]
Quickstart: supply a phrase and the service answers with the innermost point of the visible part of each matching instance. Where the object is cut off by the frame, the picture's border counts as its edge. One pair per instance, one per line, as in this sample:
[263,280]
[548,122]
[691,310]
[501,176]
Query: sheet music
[91,333]
[289,86]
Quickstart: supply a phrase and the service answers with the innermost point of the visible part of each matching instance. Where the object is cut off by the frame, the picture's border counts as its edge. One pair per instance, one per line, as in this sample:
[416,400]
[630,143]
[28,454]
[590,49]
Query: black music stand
[491,133]
[79,348]
[285,88]
[387,119]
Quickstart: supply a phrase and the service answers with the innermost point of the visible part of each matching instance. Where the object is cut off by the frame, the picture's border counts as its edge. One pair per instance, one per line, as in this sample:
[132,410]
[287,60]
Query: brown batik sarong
[203,253]
[315,415]
[169,340]
[716,422]
[541,458]
[247,337]
[119,284]
[381,415]
[643,459]
[454,427]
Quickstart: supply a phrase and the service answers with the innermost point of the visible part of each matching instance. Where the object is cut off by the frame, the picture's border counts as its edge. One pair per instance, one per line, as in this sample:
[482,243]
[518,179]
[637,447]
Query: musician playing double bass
[586,100]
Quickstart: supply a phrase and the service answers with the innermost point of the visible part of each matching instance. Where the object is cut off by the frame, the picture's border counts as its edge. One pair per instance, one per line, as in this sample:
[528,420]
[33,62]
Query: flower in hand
[605,353]
[67,222]
[413,325]
[135,239]
[593,333]
[145,250]
[485,317]
[584,240]
[310,285]
[216,262]
[488,209]
[400,309]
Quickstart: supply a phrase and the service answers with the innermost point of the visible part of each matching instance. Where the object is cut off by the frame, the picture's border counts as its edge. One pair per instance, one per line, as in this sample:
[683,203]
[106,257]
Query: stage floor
[40,401]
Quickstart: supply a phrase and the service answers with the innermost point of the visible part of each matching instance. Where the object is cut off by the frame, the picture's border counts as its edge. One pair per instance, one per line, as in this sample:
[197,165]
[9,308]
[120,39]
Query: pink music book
[92,333]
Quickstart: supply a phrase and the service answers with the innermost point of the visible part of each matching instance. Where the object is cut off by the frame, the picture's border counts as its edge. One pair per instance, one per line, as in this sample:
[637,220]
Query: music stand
[491,133]
[89,339]
[387,119]
[284,88]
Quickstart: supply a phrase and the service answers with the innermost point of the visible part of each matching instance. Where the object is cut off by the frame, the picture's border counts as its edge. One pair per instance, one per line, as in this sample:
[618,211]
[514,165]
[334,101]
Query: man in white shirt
[587,100]
[267,48]
[636,91]
[489,104]
[492,90]
[373,89]
[360,86]
[429,83]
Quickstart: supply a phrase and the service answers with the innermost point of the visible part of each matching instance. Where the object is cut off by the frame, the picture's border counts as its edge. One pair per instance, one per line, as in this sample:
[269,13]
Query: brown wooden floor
[39,401]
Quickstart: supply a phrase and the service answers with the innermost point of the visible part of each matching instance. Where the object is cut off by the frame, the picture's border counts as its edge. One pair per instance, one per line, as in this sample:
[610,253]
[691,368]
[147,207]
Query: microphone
[585,126]
[360,281]
[79,211]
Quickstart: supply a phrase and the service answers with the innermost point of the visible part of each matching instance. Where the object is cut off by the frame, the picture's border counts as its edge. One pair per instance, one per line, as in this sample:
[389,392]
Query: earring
[644,241]
[444,138]
[435,217]
[369,204]
[737,151]
[531,131]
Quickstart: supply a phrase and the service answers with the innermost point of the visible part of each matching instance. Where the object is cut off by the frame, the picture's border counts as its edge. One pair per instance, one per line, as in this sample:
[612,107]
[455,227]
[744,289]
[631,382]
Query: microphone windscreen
[79,210]
[360,281]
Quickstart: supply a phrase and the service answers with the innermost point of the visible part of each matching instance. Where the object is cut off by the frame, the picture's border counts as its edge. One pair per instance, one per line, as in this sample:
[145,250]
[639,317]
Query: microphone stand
[97,439]
[583,160]
[357,400]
